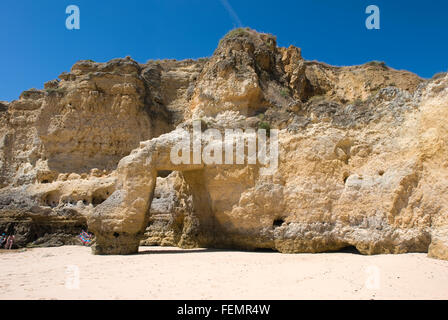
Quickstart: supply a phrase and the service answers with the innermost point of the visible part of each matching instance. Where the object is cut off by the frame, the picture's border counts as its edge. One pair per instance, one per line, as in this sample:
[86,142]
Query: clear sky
[36,46]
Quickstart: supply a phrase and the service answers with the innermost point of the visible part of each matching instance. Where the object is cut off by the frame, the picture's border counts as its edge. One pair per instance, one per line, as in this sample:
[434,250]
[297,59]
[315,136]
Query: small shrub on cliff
[239,32]
[316,99]
[381,64]
[54,91]
[202,60]
[236,33]
[266,126]
[284,92]
[32,93]
[27,94]
[438,75]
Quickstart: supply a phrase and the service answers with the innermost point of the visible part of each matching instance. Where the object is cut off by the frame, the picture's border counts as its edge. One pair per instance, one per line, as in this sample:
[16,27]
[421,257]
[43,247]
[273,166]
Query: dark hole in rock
[381,172]
[45,181]
[258,112]
[278,222]
[264,250]
[84,202]
[164,173]
[116,235]
[51,199]
[349,249]
[97,200]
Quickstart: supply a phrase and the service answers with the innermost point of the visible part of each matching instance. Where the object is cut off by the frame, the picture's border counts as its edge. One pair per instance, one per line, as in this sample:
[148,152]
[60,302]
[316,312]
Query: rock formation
[362,155]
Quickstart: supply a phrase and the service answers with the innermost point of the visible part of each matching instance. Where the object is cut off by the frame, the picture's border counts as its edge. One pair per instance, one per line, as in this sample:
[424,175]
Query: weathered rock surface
[362,160]
[84,123]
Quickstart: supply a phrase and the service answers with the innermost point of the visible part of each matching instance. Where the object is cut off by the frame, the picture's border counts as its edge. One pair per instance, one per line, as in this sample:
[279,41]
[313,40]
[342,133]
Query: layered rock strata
[362,155]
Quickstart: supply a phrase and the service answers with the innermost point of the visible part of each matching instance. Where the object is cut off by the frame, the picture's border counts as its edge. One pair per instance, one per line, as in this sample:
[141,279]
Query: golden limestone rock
[362,155]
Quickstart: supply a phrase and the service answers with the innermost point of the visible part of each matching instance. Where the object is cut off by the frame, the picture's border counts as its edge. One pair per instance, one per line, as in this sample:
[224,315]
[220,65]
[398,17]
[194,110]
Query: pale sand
[172,273]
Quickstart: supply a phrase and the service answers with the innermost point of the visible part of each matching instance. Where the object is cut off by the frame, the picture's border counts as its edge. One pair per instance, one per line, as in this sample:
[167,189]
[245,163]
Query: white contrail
[232,13]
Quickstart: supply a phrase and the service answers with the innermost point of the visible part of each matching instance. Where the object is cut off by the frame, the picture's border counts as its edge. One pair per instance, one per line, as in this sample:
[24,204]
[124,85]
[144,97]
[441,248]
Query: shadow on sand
[176,251]
[348,249]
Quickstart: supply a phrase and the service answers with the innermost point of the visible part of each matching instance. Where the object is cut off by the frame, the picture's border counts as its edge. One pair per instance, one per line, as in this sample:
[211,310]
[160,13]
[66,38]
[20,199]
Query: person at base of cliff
[85,238]
[2,240]
[10,242]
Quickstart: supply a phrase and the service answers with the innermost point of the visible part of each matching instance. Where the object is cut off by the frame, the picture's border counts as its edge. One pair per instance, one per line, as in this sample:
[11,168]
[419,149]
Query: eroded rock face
[82,125]
[52,214]
[362,158]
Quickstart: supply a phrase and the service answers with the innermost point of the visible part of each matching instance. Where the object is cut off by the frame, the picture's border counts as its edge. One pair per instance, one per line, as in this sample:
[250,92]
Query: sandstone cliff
[362,163]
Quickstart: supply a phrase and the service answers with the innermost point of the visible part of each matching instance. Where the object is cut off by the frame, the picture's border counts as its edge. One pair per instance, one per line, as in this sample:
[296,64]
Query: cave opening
[267,250]
[96,201]
[163,173]
[348,249]
[345,177]
[278,222]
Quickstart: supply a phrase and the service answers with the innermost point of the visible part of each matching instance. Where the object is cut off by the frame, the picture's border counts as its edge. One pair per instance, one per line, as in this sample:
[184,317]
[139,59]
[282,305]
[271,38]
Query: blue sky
[37,47]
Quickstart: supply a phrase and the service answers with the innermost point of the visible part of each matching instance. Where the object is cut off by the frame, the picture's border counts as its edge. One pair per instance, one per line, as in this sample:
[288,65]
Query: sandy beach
[71,272]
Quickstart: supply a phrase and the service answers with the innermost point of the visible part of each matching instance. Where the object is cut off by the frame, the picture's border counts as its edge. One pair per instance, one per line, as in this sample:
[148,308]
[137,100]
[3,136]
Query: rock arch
[120,221]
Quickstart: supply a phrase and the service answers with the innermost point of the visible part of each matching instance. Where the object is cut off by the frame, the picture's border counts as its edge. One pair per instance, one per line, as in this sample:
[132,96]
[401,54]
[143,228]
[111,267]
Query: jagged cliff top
[241,39]
[248,74]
